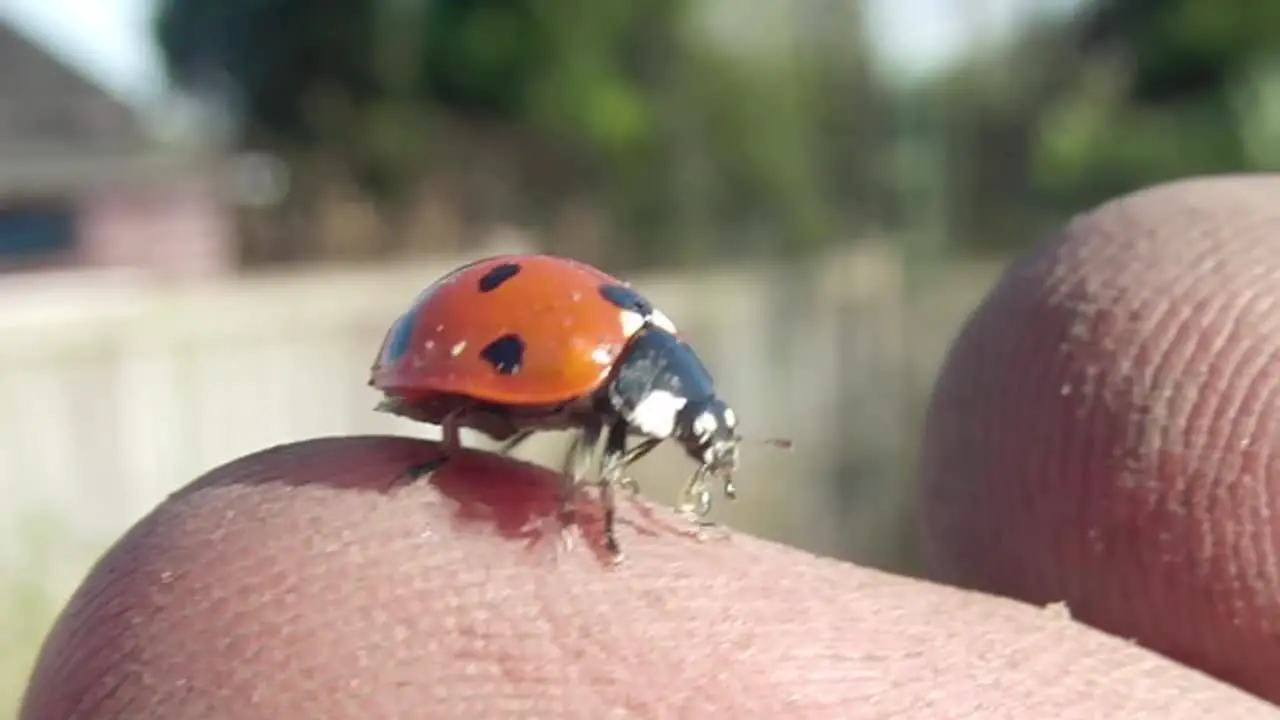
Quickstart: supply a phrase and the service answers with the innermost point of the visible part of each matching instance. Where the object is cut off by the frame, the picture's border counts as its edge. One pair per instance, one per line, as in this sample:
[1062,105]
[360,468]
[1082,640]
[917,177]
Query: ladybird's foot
[730,490]
[607,487]
[567,510]
[614,551]
[555,527]
[567,538]
[424,470]
[563,522]
[565,527]
[567,500]
[695,514]
[697,526]
[709,531]
[629,485]
[612,548]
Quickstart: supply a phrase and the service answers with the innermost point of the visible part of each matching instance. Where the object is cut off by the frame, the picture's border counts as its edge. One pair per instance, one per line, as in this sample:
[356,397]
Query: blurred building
[82,185]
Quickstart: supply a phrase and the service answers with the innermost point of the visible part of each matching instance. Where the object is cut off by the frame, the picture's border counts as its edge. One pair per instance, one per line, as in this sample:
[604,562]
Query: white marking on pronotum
[631,322]
[456,350]
[660,319]
[705,425]
[655,414]
[729,418]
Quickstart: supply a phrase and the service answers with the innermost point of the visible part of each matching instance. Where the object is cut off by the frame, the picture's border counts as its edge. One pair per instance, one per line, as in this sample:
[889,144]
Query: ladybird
[517,344]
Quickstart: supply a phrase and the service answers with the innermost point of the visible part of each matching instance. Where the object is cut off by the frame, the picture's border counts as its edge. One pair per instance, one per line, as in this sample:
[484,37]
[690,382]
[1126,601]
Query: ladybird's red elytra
[525,299]
[515,344]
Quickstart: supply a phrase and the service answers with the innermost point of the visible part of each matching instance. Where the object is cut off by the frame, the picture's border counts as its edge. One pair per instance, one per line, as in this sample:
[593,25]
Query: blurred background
[211,211]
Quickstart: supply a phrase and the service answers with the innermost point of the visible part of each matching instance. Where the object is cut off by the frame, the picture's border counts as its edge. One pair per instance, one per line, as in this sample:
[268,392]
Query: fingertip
[266,562]
[472,492]
[311,581]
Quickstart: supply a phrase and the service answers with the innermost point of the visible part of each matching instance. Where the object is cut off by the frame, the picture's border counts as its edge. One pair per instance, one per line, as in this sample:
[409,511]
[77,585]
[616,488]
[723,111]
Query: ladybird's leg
[696,499]
[696,505]
[612,465]
[577,466]
[632,456]
[515,441]
[450,445]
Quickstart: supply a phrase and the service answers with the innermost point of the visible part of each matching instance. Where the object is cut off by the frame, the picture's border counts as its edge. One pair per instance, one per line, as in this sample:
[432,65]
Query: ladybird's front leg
[629,458]
[695,500]
[630,485]
[695,505]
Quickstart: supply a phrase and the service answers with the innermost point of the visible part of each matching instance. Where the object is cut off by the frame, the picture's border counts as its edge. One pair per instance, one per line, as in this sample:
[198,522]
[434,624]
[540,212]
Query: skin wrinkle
[1150,508]
[332,591]
[1229,350]
[1266,534]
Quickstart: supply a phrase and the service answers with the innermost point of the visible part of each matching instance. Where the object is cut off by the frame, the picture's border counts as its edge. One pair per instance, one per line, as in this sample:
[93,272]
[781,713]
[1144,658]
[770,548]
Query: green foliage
[277,55]
[1164,91]
[366,79]
[1158,95]
[1183,48]
[1078,110]
[691,148]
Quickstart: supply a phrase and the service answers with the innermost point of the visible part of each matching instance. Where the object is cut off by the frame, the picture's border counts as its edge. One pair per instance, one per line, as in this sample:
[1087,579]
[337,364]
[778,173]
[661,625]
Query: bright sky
[110,41]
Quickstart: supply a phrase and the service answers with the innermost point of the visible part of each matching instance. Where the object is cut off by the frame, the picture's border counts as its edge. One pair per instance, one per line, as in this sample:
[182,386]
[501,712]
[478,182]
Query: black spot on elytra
[626,299]
[493,279]
[506,354]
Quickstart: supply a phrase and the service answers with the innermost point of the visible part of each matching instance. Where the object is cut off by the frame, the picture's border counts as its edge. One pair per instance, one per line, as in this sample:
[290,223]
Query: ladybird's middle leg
[577,466]
[509,446]
[612,465]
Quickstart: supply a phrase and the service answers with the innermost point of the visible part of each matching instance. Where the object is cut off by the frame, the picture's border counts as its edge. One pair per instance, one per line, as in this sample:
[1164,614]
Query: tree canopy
[1079,109]
[690,145]
[775,135]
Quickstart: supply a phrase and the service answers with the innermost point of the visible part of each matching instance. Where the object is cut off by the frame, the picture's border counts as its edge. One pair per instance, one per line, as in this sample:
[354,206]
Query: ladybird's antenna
[779,443]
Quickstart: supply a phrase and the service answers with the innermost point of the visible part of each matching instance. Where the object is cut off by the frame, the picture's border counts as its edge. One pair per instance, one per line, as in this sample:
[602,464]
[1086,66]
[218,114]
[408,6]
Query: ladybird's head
[663,390]
[708,431]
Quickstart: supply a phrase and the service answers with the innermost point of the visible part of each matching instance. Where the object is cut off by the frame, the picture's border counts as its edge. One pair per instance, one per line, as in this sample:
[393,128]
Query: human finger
[312,581]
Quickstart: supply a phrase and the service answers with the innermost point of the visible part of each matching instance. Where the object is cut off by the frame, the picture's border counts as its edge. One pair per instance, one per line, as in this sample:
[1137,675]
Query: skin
[311,581]
[1105,431]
